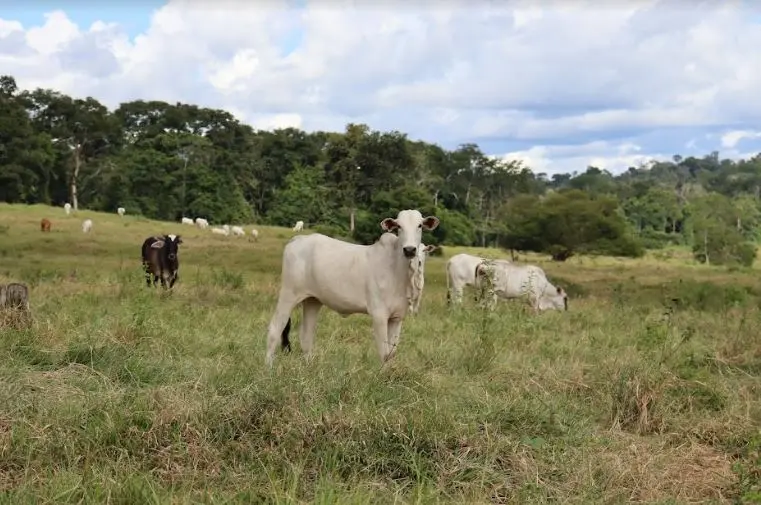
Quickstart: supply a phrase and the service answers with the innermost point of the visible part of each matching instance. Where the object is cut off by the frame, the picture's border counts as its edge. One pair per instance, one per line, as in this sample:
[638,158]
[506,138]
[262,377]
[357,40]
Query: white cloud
[453,72]
[732,138]
[556,159]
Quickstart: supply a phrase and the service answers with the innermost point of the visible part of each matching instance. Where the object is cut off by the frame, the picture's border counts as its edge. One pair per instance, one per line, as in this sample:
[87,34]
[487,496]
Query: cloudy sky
[558,84]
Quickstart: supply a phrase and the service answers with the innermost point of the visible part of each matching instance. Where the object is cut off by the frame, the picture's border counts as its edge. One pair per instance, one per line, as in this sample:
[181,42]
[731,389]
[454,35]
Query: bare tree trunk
[739,224]
[351,220]
[75,175]
[705,247]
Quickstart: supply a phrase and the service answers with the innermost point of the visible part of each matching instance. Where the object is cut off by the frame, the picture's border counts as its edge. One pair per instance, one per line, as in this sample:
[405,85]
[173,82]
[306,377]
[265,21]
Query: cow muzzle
[409,251]
[172,257]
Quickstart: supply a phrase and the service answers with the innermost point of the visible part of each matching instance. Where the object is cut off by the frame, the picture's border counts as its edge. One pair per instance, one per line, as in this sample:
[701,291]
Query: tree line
[164,161]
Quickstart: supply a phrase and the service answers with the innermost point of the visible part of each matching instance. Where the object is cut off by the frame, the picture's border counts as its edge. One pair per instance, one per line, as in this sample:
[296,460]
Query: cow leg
[394,329]
[147,275]
[285,304]
[312,308]
[380,333]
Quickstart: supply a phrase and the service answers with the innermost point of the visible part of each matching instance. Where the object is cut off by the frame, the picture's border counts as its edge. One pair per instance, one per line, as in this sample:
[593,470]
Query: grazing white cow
[418,276]
[67,208]
[461,272]
[349,279]
[255,233]
[226,227]
[237,231]
[299,226]
[508,280]
[86,225]
[120,211]
[220,231]
[202,223]
[187,220]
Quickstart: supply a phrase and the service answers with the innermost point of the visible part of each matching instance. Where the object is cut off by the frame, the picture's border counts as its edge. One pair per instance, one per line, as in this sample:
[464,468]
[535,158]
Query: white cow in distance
[187,220]
[461,272]
[220,231]
[67,208]
[86,225]
[202,223]
[299,226]
[349,279]
[507,280]
[237,231]
[255,233]
[121,211]
[418,276]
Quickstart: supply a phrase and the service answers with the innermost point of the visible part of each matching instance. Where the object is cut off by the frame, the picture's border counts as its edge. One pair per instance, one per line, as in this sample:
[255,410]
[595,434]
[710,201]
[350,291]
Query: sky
[557,84]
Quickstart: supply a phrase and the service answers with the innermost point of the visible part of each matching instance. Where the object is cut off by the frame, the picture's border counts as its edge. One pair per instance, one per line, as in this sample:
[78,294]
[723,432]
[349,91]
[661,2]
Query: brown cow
[44,225]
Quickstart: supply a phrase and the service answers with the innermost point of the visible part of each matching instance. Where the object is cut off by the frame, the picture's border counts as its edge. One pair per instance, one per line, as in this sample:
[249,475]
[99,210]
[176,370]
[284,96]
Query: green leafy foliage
[566,223]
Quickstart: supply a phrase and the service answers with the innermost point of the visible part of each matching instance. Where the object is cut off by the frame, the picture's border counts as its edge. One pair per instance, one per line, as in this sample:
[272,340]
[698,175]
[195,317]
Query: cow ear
[389,224]
[158,244]
[430,248]
[430,223]
[178,240]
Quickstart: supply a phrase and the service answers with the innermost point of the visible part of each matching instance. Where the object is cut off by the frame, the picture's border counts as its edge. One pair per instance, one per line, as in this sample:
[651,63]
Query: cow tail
[285,342]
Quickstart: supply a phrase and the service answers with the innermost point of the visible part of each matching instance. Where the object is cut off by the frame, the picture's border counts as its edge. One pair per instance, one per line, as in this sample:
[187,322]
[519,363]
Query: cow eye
[420,225]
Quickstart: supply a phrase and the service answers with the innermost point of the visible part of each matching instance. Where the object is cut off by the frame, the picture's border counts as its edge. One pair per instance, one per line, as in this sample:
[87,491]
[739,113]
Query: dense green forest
[165,161]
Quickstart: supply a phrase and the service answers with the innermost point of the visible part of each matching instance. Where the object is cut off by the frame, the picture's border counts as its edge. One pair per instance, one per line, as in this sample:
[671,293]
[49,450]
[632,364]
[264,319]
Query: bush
[724,246]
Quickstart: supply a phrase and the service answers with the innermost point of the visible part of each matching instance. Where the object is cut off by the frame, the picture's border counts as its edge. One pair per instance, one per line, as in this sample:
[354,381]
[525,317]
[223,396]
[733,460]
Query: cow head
[410,225]
[171,242]
[423,253]
[557,301]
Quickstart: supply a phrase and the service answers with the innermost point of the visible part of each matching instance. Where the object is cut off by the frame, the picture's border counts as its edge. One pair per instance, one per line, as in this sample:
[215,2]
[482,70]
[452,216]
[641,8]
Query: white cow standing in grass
[121,211]
[237,231]
[86,225]
[508,280]
[220,231]
[299,226]
[202,223]
[255,233]
[418,276]
[349,279]
[187,220]
[461,272]
[67,208]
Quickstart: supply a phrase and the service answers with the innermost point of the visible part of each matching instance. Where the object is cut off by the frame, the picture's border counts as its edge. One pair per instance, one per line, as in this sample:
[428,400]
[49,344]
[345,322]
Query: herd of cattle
[384,280]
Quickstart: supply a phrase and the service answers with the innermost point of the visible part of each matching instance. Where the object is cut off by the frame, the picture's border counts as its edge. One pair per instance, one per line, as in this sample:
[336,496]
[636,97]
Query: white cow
[202,223]
[461,272]
[349,279]
[418,276]
[299,226]
[255,233]
[226,227]
[220,231]
[67,208]
[508,280]
[187,220]
[86,225]
[120,211]
[237,231]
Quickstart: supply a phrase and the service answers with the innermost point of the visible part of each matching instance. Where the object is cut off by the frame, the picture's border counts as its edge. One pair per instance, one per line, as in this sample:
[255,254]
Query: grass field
[122,394]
